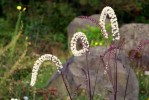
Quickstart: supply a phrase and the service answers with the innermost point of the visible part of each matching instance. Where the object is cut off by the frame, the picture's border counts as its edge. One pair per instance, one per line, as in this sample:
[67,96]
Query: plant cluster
[112,52]
[11,75]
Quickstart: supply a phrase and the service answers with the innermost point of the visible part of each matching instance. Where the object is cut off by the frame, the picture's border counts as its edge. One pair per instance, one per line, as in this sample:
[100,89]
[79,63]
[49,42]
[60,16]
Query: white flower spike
[40,61]
[114,24]
[85,44]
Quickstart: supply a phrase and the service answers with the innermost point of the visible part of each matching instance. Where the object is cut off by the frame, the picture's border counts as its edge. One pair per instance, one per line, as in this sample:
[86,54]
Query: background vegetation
[41,28]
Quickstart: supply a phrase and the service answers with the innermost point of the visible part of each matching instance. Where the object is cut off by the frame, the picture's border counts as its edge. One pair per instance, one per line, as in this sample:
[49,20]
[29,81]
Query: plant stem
[88,74]
[34,95]
[126,85]
[66,85]
[115,68]
[108,72]
[95,83]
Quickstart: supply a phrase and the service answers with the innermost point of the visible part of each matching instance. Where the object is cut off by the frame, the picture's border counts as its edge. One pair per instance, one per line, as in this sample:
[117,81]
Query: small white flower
[13,99]
[40,61]
[105,72]
[25,98]
[114,24]
[146,72]
[85,44]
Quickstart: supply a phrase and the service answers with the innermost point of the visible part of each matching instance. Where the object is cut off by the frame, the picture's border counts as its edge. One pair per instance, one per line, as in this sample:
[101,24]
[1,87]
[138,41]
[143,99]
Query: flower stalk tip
[114,24]
[40,61]
[85,44]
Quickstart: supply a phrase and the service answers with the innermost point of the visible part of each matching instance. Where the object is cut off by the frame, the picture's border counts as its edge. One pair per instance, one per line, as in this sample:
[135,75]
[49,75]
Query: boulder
[134,33]
[75,75]
[82,23]
[78,23]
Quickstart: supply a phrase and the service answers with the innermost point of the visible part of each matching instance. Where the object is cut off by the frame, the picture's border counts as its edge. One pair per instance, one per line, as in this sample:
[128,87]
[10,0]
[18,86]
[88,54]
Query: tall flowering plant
[107,11]
[84,41]
[38,63]
[114,24]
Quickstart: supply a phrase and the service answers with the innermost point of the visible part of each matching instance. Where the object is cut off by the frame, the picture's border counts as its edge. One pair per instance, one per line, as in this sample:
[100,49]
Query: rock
[134,33]
[75,76]
[81,23]
[78,23]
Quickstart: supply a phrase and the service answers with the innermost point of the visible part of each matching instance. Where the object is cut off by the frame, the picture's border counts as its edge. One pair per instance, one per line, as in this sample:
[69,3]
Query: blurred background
[30,28]
[46,21]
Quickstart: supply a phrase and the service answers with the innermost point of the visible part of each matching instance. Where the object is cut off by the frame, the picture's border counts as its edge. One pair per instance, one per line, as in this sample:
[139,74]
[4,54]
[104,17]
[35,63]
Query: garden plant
[103,35]
[115,47]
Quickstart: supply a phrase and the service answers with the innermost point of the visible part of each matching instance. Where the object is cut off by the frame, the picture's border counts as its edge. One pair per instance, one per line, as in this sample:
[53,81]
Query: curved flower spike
[85,44]
[40,61]
[114,24]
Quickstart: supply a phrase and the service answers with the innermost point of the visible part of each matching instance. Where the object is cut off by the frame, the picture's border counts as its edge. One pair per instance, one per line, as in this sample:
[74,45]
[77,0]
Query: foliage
[50,19]
[144,13]
[95,36]
[43,26]
[143,85]
[9,60]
